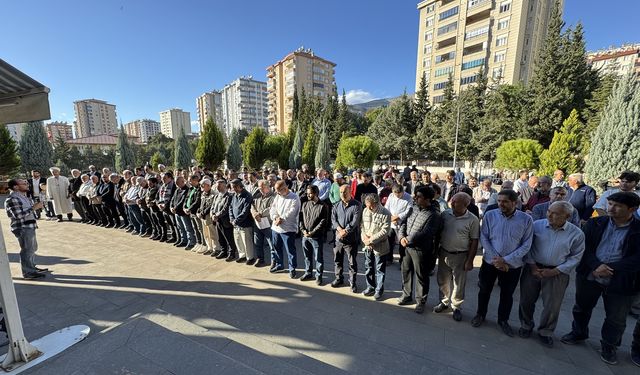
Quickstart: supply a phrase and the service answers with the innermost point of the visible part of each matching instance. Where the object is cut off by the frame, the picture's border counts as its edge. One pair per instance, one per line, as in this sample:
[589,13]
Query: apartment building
[617,60]
[142,129]
[459,37]
[94,117]
[244,105]
[173,120]
[59,129]
[208,105]
[300,69]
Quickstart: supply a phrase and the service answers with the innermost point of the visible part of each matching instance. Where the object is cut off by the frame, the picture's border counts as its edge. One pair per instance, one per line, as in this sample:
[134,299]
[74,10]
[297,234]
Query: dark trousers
[161,226]
[312,249]
[77,204]
[375,270]
[111,211]
[394,237]
[415,262]
[225,236]
[508,281]
[102,211]
[287,242]
[169,220]
[635,344]
[122,211]
[197,228]
[146,217]
[338,258]
[263,238]
[89,214]
[96,211]
[616,309]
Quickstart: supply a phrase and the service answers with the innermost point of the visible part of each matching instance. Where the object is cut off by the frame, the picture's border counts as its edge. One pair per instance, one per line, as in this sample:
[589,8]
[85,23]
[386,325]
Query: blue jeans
[375,269]
[312,248]
[261,239]
[288,241]
[189,232]
[28,247]
[135,218]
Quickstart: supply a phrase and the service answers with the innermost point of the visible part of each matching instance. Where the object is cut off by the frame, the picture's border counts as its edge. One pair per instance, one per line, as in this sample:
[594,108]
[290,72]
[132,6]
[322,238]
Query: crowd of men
[534,233]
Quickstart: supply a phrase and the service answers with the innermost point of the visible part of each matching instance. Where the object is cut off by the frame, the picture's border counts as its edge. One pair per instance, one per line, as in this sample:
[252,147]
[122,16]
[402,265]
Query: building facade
[173,120]
[244,105]
[460,37]
[619,61]
[59,129]
[142,129]
[94,117]
[300,69]
[208,105]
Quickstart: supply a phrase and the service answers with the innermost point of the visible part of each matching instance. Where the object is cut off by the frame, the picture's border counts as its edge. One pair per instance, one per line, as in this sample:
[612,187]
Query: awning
[22,99]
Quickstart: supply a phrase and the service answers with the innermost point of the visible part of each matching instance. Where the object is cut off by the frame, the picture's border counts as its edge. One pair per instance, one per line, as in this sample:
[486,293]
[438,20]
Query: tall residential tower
[173,120]
[94,117]
[244,105]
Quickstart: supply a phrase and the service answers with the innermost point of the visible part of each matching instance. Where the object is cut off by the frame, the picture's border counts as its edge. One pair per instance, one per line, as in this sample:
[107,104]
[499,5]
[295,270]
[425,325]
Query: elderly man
[299,185]
[312,227]
[627,181]
[374,232]
[412,184]
[557,194]
[482,194]
[541,194]
[240,217]
[23,225]
[165,193]
[262,234]
[191,205]
[220,216]
[323,184]
[609,269]
[74,185]
[58,192]
[558,179]
[131,197]
[418,234]
[399,206]
[183,220]
[334,194]
[522,182]
[581,196]
[506,236]
[209,232]
[284,213]
[555,252]
[345,220]
[458,247]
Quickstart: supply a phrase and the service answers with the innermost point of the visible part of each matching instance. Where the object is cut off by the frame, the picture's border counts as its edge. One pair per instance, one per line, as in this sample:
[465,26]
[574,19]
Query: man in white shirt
[399,205]
[284,213]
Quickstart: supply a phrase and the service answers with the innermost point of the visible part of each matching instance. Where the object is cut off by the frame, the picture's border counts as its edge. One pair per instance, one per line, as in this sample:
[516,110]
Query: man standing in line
[34,188]
[284,213]
[345,220]
[581,196]
[418,234]
[58,192]
[374,231]
[262,234]
[558,179]
[541,195]
[557,194]
[411,185]
[458,247]
[610,267]
[23,225]
[449,187]
[240,217]
[183,221]
[628,181]
[482,194]
[220,216]
[399,205]
[165,194]
[506,237]
[555,252]
[365,188]
[312,227]
[74,186]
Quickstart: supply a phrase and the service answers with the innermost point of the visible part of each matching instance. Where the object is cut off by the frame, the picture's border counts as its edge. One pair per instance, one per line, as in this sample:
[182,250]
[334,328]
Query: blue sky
[146,56]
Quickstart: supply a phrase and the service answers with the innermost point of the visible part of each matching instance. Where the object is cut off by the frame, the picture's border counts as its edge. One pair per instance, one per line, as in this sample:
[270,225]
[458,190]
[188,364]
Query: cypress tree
[125,157]
[309,149]
[210,151]
[421,105]
[234,154]
[296,105]
[295,156]
[615,146]
[253,148]
[323,153]
[518,154]
[36,152]
[564,150]
[9,161]
[182,153]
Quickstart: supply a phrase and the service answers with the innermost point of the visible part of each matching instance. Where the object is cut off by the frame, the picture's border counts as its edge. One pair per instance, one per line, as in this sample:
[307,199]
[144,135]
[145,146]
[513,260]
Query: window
[499,56]
[503,23]
[427,49]
[445,57]
[431,8]
[426,63]
[476,32]
[497,73]
[428,36]
[439,85]
[505,6]
[443,71]
[447,28]
[438,99]
[472,64]
[501,41]
[448,13]
[468,80]
[430,21]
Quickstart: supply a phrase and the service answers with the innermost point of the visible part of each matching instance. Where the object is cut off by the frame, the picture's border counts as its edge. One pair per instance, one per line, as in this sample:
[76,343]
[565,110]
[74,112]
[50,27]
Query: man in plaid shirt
[20,210]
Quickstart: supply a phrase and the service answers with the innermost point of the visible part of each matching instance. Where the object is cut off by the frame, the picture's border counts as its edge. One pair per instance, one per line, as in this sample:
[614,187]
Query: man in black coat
[610,267]
[34,188]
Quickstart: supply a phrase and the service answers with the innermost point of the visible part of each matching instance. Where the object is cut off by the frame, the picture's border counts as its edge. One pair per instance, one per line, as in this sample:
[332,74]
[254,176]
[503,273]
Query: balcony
[475,48]
[475,17]
[446,42]
[475,6]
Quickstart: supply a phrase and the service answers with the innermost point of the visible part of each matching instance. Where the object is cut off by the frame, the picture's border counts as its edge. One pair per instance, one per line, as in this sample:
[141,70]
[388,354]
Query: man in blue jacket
[610,267]
[581,196]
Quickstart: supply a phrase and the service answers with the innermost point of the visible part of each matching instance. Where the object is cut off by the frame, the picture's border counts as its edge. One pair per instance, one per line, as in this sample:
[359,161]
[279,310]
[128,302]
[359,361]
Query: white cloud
[359,96]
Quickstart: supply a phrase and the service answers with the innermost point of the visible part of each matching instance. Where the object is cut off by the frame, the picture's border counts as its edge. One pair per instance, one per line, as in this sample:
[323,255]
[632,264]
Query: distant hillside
[364,107]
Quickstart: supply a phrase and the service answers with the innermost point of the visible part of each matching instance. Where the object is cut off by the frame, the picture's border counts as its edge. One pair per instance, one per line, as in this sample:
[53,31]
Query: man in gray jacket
[374,232]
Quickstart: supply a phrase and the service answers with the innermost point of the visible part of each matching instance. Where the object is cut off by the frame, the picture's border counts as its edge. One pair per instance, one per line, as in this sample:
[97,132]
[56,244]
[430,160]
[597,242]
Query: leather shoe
[368,292]
[635,357]
[405,301]
[42,269]
[477,321]
[457,315]
[251,262]
[222,255]
[241,260]
[572,338]
[608,355]
[506,328]
[292,274]
[441,307]
[319,280]
[336,283]
[546,341]
[419,308]
[33,275]
[525,333]
[259,263]
[306,276]
[276,268]
[354,288]
[377,296]
[230,258]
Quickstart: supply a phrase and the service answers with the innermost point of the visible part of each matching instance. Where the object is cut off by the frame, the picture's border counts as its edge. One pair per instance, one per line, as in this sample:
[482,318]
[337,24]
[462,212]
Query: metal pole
[455,144]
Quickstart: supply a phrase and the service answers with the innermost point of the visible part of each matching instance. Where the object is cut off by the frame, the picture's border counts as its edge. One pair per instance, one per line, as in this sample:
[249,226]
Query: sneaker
[441,307]
[477,321]
[368,292]
[377,296]
[635,357]
[419,308]
[608,355]
[251,262]
[572,338]
[306,276]
[336,283]
[506,328]
[457,315]
[524,333]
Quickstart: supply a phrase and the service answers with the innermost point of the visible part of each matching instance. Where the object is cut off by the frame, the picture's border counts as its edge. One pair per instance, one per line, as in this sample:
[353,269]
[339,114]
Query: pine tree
[594,108]
[564,150]
[295,156]
[309,149]
[125,156]
[182,151]
[615,146]
[253,148]
[323,153]
[234,154]
[421,106]
[581,78]
[9,161]
[61,149]
[518,154]
[210,151]
[76,159]
[156,159]
[36,152]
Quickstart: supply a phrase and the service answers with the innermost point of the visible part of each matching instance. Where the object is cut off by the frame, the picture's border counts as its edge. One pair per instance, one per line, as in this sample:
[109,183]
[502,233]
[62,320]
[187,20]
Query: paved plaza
[156,309]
